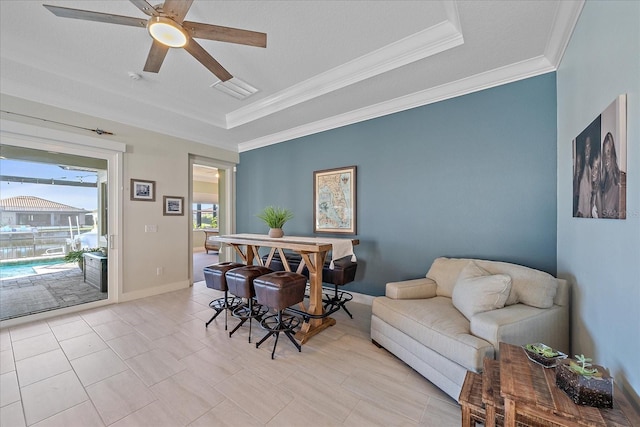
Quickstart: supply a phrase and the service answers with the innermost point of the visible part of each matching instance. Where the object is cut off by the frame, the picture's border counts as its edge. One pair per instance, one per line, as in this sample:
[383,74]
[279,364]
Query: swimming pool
[24,268]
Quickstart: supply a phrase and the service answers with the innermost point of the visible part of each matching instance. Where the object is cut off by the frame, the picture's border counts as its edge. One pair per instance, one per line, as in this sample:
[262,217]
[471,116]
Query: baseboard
[362,298]
[156,290]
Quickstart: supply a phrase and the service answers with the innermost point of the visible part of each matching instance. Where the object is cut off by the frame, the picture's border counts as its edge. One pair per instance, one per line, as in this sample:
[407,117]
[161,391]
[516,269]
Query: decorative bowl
[543,355]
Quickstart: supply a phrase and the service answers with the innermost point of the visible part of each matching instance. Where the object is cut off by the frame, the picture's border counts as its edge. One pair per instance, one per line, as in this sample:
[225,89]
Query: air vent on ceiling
[235,87]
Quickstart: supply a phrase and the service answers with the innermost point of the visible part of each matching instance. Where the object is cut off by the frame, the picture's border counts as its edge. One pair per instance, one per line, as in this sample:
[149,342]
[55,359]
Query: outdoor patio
[53,287]
[62,285]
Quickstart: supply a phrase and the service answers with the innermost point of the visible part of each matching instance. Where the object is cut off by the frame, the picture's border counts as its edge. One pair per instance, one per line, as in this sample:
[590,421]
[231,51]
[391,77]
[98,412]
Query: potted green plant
[78,256]
[584,383]
[275,217]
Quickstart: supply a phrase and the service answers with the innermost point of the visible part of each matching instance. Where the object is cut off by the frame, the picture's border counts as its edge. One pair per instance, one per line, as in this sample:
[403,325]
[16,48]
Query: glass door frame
[57,141]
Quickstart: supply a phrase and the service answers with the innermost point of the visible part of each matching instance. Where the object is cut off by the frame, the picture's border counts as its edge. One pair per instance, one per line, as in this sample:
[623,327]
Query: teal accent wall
[601,257]
[473,176]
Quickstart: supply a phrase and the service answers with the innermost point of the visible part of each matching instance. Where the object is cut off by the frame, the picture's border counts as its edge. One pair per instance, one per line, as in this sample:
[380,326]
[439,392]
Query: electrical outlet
[150,228]
[159,271]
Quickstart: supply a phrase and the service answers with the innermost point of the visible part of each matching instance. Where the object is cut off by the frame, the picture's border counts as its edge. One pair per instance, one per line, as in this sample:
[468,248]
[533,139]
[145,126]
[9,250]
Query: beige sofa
[447,322]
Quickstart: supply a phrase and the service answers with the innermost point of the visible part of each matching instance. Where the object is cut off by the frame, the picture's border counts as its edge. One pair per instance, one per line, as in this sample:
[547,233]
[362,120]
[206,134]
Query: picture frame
[334,200]
[142,190]
[600,165]
[173,206]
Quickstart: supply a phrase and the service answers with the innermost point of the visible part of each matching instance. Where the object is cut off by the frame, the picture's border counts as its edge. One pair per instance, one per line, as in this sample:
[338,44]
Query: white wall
[149,156]
[602,257]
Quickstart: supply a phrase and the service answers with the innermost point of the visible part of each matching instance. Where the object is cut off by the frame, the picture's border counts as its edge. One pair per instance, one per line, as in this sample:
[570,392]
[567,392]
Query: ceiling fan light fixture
[167,31]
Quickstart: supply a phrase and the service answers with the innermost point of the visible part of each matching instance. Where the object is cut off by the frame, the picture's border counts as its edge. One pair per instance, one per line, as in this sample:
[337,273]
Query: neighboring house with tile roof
[30,211]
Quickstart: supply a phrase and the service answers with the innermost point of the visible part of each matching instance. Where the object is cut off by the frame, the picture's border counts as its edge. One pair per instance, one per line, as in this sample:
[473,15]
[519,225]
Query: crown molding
[492,78]
[433,40]
[565,20]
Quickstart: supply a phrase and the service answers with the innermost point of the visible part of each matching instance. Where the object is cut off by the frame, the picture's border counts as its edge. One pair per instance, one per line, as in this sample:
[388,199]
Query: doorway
[211,214]
[204,207]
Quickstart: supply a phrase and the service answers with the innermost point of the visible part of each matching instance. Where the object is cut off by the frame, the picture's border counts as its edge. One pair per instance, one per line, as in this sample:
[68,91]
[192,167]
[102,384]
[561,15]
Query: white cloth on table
[340,249]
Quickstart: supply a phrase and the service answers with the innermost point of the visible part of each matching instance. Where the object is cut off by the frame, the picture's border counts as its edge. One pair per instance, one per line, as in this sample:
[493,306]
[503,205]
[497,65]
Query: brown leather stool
[343,272]
[240,283]
[279,290]
[214,276]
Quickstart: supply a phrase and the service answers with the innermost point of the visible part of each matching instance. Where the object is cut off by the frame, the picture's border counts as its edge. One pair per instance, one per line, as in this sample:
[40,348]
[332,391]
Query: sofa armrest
[411,289]
[521,324]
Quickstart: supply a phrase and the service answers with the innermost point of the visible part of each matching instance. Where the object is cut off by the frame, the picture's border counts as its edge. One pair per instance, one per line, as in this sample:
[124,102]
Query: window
[205,215]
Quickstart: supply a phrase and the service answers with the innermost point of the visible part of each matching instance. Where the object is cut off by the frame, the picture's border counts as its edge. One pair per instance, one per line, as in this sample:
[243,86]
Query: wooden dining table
[313,251]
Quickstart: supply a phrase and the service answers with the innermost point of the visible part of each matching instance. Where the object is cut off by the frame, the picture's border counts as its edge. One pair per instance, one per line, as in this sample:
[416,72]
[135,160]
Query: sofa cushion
[445,272]
[435,323]
[528,286]
[477,290]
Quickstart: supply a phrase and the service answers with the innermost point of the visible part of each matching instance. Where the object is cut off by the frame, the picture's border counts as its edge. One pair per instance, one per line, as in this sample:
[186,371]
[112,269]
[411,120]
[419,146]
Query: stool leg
[344,307]
[293,340]
[237,326]
[264,338]
[276,324]
[288,333]
[226,308]
[279,326]
[273,352]
[340,301]
[251,315]
[206,325]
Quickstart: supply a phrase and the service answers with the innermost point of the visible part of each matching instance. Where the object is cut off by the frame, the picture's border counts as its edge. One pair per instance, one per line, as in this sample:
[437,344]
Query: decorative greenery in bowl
[275,217]
[582,367]
[543,355]
[584,383]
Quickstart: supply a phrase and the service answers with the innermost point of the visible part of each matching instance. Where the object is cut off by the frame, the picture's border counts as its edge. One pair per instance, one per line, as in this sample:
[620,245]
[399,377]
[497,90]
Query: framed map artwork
[334,200]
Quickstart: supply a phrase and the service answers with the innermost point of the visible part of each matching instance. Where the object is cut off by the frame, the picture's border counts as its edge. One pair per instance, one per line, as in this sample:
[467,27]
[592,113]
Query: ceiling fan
[168,29]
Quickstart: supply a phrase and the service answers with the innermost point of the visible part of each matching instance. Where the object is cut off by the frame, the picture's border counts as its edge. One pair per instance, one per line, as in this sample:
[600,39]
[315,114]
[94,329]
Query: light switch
[151,228]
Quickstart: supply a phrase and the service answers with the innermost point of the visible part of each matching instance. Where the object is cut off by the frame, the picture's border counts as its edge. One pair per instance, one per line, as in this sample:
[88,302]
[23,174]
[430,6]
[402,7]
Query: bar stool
[279,290]
[214,276]
[344,272]
[240,282]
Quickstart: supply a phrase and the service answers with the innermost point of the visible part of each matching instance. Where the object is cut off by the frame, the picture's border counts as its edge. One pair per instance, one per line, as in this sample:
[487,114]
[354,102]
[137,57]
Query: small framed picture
[173,205]
[142,190]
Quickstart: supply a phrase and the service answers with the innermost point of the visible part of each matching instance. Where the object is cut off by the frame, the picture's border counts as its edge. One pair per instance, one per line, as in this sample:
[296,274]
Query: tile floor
[152,362]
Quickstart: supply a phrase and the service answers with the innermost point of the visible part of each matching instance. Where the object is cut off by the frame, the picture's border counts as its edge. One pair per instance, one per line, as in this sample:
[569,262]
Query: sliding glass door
[58,224]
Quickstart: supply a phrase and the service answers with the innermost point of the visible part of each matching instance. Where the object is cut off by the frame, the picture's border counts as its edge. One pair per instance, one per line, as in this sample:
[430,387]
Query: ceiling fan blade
[177,9]
[207,60]
[156,56]
[225,34]
[145,7]
[65,12]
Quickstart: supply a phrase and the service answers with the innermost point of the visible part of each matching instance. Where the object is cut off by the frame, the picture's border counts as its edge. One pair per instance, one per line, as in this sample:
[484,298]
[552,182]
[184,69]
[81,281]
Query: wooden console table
[313,251]
[516,390]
